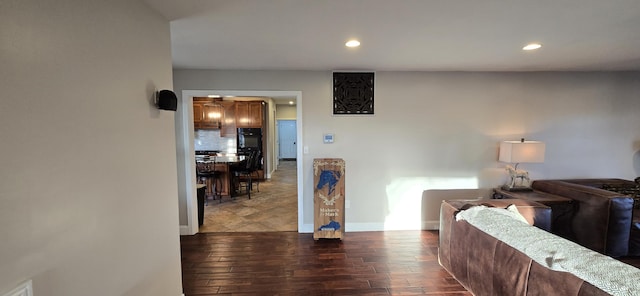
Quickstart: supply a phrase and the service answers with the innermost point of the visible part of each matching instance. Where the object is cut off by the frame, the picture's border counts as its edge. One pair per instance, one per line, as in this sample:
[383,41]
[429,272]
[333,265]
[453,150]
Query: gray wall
[88,180]
[441,130]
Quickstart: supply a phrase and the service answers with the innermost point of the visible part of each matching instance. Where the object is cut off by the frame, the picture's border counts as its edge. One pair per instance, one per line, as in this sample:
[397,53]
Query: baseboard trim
[431,225]
[359,227]
[185,230]
[306,228]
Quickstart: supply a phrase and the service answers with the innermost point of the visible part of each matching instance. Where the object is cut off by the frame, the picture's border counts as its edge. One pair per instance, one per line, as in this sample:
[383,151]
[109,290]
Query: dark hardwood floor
[289,263]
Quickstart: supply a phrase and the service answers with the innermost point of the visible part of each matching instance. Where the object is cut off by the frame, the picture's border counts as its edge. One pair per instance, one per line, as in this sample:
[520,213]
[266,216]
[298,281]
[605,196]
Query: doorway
[287,139]
[186,155]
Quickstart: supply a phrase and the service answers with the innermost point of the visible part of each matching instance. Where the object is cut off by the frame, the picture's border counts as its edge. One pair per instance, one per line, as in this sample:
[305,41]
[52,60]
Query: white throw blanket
[554,252]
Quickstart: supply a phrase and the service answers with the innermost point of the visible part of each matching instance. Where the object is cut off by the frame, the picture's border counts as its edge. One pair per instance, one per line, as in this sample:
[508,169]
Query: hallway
[274,208]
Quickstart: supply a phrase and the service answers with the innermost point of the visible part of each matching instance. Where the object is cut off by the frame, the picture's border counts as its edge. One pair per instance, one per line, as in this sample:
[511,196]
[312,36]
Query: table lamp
[520,152]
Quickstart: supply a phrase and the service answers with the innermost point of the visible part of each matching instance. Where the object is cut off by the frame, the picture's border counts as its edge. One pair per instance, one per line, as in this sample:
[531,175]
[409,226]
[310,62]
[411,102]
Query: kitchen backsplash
[211,140]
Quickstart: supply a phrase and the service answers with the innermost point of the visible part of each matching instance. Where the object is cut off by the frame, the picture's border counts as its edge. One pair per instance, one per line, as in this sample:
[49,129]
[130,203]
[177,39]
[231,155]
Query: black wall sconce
[166,100]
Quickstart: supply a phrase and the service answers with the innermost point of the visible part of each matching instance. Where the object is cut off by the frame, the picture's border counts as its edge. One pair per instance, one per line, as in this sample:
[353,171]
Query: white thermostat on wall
[328,138]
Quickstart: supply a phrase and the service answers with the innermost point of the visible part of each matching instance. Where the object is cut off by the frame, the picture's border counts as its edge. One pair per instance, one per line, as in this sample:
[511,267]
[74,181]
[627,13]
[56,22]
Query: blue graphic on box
[330,178]
[333,225]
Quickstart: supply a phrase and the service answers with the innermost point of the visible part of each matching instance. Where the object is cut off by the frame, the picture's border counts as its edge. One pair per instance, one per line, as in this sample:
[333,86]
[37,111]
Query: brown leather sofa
[602,220]
[485,265]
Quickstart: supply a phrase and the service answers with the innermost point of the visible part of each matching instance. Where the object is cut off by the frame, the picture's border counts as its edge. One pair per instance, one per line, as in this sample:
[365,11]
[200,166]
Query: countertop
[220,159]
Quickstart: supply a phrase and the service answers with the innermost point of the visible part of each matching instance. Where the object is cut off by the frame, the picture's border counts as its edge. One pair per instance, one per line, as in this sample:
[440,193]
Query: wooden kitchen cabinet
[207,113]
[249,113]
[225,181]
[222,184]
[197,114]
[213,116]
[228,128]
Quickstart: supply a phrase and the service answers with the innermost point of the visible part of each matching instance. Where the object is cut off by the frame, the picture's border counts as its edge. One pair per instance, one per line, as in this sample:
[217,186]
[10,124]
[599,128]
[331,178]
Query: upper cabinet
[227,115]
[249,113]
[228,128]
[198,115]
[213,114]
[208,113]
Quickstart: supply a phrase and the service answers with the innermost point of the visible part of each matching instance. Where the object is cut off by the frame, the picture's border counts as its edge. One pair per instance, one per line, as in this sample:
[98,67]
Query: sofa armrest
[601,219]
[535,213]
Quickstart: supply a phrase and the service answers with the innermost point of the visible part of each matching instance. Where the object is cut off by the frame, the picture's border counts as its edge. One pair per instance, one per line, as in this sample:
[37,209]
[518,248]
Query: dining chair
[246,171]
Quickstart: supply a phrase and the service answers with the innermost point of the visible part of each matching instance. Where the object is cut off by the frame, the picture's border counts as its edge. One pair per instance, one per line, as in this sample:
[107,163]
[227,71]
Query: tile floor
[274,208]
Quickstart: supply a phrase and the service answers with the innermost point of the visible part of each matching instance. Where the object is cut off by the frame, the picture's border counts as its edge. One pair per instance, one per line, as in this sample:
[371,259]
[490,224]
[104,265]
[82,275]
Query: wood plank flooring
[289,263]
[246,257]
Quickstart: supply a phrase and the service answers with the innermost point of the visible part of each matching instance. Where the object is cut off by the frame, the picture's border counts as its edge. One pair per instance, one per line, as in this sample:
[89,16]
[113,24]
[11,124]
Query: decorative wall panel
[353,92]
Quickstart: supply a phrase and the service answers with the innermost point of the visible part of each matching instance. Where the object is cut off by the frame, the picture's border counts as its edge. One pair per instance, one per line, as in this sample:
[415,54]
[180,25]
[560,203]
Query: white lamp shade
[519,151]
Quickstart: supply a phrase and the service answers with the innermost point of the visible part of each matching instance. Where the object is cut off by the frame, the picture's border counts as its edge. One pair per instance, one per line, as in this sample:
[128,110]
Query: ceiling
[404,35]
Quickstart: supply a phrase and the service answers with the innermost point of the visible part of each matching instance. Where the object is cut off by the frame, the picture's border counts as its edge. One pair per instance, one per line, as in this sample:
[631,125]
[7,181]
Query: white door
[287,139]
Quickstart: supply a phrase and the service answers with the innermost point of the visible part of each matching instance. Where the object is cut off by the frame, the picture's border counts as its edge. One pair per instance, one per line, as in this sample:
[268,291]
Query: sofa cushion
[634,238]
[511,212]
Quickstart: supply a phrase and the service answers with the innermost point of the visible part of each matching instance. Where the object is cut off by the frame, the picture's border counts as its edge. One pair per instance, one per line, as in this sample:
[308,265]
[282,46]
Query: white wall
[88,180]
[440,130]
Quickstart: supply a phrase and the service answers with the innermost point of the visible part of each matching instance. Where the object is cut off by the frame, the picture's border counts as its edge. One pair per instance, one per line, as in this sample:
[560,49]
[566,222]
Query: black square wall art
[353,93]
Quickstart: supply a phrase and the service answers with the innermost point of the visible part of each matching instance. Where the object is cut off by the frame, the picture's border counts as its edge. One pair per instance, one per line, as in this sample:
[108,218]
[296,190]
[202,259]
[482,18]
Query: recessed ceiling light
[213,96]
[352,43]
[532,46]
[290,102]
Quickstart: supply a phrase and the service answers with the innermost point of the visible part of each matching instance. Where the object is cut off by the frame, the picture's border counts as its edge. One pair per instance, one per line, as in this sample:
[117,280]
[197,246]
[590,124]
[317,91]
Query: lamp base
[516,188]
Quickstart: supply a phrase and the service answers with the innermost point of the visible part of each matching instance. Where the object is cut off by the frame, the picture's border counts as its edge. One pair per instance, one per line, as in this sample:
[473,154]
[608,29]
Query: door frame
[186,152]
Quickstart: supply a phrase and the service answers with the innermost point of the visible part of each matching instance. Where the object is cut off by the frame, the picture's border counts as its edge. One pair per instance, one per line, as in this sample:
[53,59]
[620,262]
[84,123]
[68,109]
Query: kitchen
[226,133]
[280,106]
